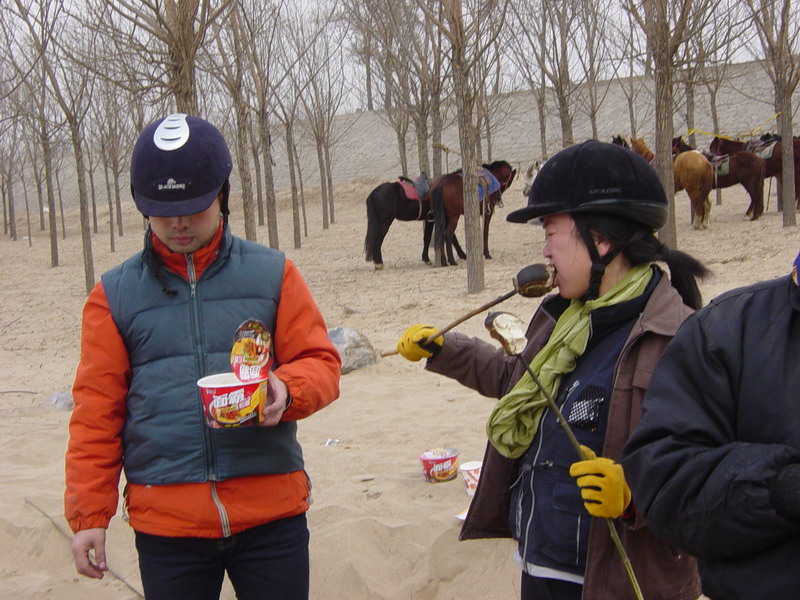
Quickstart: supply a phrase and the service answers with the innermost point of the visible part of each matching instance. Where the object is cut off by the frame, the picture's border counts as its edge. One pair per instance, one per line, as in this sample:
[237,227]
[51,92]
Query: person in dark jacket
[592,347]
[204,498]
[715,461]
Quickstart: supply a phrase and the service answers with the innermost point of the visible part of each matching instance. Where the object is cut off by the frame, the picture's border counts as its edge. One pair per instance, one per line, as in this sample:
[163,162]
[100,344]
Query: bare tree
[166,34]
[461,34]
[390,33]
[27,64]
[667,25]
[259,19]
[323,66]
[593,18]
[549,39]
[228,68]
[778,28]
[533,76]
[301,35]
[71,87]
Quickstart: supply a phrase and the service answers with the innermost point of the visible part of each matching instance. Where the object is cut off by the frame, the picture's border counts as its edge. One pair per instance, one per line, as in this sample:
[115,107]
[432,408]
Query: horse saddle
[762,149]
[417,189]
[721,164]
[487,183]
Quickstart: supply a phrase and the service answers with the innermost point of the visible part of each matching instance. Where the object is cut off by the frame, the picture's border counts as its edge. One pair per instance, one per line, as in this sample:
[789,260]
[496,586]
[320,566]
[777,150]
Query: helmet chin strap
[599,263]
[223,202]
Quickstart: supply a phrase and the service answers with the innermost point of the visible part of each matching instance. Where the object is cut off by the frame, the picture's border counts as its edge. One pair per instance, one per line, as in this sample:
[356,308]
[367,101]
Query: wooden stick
[69,538]
[460,320]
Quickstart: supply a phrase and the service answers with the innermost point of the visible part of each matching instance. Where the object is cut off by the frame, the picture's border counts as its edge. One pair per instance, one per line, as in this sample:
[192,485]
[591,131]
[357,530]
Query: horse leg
[449,237]
[461,254]
[756,193]
[487,217]
[427,234]
[377,255]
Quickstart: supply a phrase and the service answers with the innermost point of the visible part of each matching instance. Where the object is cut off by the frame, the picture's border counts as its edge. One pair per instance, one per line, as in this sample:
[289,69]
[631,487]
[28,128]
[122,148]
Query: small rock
[353,347]
[62,401]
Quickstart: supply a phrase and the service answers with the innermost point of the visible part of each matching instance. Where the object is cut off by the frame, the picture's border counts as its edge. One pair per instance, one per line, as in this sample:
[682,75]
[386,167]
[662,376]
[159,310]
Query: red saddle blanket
[408,189]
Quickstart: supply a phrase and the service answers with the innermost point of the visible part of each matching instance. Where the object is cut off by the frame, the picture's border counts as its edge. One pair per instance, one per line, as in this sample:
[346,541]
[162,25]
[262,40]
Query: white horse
[530,174]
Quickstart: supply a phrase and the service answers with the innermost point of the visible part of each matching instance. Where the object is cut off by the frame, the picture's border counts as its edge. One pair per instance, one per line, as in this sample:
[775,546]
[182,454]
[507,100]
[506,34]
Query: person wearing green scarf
[591,348]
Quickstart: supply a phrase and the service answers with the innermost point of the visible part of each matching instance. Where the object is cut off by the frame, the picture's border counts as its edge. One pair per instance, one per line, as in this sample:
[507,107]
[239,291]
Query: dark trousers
[268,562]
[542,588]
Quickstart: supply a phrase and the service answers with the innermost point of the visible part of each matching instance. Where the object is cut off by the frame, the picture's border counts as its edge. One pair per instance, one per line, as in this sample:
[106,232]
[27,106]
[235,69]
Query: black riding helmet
[178,166]
[601,179]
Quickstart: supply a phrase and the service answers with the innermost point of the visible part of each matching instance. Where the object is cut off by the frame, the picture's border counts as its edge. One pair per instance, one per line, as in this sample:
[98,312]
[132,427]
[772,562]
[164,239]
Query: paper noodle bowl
[228,402]
[439,464]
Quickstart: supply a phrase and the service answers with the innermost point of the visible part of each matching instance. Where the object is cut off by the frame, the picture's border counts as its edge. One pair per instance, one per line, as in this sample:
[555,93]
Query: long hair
[639,245]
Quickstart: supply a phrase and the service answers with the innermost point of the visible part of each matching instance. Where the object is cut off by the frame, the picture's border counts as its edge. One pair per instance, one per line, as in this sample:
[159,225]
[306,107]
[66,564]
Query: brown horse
[637,145]
[448,205]
[692,172]
[770,153]
[741,167]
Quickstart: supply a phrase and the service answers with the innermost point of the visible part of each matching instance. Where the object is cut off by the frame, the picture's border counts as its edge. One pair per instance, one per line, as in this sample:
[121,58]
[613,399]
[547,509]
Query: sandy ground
[378,530]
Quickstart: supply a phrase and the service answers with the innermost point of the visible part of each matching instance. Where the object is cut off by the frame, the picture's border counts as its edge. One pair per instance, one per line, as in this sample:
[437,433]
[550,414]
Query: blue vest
[175,339]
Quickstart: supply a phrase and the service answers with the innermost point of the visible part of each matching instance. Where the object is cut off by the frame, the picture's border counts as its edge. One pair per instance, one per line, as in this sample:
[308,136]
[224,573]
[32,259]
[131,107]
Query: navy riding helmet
[178,166]
[600,178]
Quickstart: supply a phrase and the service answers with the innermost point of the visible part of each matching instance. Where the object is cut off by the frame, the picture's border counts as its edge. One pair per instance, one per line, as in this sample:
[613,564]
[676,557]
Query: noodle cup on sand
[229,402]
[439,464]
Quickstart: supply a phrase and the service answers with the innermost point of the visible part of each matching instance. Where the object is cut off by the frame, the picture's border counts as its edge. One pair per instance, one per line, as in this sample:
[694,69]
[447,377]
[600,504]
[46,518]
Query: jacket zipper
[211,463]
[223,514]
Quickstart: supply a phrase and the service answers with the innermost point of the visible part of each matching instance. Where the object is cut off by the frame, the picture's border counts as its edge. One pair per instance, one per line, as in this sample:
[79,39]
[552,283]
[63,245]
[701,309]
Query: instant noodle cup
[251,358]
[229,402]
[439,464]
[470,472]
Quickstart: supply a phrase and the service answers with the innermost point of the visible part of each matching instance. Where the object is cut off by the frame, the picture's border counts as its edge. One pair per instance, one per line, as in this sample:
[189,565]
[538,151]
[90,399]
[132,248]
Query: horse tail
[372,228]
[439,217]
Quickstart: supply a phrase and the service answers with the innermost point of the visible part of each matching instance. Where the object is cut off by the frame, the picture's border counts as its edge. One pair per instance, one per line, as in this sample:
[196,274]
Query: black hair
[639,245]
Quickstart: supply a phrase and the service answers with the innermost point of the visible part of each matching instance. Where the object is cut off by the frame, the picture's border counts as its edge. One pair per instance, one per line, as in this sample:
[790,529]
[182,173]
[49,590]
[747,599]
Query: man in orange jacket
[202,500]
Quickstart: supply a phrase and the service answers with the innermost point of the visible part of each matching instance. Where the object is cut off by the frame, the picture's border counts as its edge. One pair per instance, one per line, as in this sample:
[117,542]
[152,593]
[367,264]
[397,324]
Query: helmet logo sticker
[171,184]
[172,133]
[608,190]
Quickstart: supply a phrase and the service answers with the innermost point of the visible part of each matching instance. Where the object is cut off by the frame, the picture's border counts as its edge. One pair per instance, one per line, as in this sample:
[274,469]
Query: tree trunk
[421,129]
[323,185]
[12,213]
[664,133]
[689,87]
[83,201]
[257,169]
[293,181]
[47,157]
[788,192]
[402,151]
[436,137]
[248,203]
[269,179]
[466,137]
[110,206]
[329,177]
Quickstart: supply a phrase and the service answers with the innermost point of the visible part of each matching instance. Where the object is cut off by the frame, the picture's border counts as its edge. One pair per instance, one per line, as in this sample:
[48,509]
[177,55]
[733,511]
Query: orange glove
[412,343]
[604,490]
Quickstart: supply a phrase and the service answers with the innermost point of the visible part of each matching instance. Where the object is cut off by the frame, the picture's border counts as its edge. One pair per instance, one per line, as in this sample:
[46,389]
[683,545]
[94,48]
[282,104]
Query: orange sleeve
[100,391]
[309,362]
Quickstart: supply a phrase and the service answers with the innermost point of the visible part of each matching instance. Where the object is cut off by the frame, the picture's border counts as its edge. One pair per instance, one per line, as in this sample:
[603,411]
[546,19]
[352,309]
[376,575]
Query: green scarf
[516,416]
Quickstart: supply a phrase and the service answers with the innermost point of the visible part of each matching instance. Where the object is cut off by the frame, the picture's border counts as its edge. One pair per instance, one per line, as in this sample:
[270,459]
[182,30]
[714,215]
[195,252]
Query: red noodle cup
[439,464]
[470,473]
[228,402]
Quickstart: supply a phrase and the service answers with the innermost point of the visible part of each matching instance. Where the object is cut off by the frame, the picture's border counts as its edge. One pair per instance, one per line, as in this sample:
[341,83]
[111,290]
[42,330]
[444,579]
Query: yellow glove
[411,342]
[604,490]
